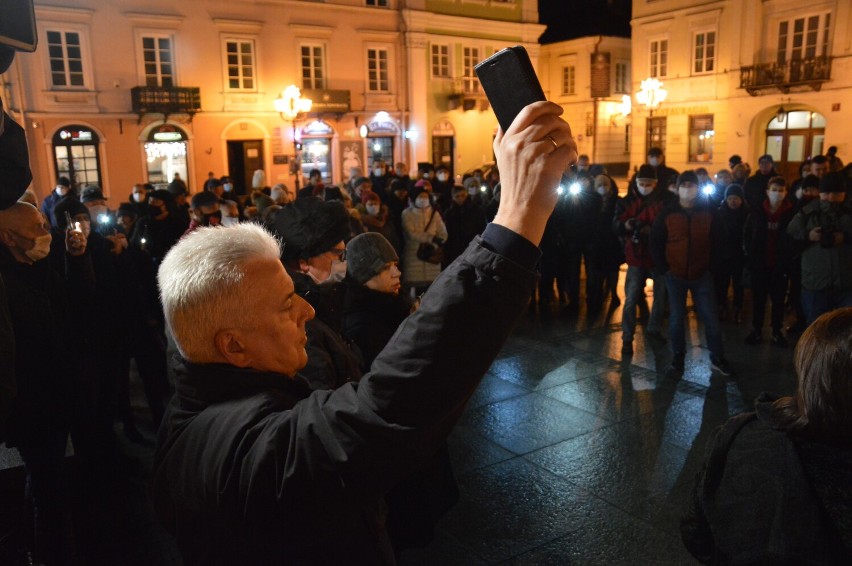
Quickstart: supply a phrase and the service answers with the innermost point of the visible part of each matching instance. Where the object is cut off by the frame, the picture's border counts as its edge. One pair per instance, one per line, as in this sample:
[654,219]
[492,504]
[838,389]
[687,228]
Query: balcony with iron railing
[800,74]
[165,100]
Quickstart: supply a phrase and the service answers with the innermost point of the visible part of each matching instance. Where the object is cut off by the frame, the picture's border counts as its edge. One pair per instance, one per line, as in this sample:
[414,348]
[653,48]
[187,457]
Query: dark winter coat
[463,224]
[733,223]
[824,268]
[755,188]
[764,497]
[644,209]
[684,241]
[254,468]
[756,239]
[370,318]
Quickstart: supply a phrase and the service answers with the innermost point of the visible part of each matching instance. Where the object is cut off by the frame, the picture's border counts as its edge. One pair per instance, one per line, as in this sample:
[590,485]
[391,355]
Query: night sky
[570,19]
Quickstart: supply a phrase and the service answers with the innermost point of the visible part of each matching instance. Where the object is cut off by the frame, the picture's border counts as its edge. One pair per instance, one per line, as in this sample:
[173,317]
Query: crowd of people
[82,276]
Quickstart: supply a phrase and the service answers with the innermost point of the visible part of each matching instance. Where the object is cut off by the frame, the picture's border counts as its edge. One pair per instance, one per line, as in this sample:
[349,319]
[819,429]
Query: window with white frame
[377,3]
[703,52]
[377,70]
[658,58]
[65,53]
[803,37]
[569,80]
[470,81]
[240,64]
[622,77]
[313,66]
[158,67]
[440,61]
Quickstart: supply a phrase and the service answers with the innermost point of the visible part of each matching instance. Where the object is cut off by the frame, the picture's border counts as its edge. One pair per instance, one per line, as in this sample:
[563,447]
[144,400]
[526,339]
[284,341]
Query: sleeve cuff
[511,245]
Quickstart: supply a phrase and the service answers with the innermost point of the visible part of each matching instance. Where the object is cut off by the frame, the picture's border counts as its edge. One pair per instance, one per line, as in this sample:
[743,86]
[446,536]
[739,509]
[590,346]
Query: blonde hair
[201,283]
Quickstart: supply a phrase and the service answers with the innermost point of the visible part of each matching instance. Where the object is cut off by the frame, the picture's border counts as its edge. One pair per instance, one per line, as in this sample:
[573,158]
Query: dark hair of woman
[822,406]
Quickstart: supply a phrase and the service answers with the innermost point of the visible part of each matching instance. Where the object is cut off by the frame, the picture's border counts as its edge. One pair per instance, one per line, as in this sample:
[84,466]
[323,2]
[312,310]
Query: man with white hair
[252,467]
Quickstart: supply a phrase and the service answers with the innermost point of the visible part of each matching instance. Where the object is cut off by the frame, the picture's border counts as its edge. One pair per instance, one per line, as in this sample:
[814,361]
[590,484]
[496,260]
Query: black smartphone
[509,82]
[18,25]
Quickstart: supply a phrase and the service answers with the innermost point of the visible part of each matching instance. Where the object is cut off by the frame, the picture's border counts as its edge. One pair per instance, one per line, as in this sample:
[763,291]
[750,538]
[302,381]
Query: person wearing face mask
[442,187]
[40,414]
[824,227]
[421,223]
[728,271]
[375,217]
[464,221]
[62,188]
[204,210]
[312,232]
[138,200]
[583,211]
[769,255]
[657,160]
[633,218]
[684,238]
[756,185]
[228,185]
[806,192]
[163,227]
[400,171]
[102,219]
[380,177]
[611,254]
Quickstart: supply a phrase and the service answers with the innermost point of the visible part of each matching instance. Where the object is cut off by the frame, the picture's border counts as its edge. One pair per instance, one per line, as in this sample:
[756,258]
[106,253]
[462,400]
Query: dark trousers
[45,492]
[730,273]
[150,355]
[587,253]
[772,284]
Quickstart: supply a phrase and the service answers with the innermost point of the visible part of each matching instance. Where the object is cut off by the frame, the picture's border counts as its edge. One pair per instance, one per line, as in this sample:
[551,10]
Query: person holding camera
[633,218]
[825,227]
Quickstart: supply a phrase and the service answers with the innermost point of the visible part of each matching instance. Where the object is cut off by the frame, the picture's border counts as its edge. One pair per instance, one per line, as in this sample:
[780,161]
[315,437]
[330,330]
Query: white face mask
[139,197]
[40,249]
[774,197]
[61,190]
[228,187]
[230,221]
[653,161]
[422,203]
[601,190]
[96,211]
[373,209]
[646,190]
[471,191]
[378,172]
[443,177]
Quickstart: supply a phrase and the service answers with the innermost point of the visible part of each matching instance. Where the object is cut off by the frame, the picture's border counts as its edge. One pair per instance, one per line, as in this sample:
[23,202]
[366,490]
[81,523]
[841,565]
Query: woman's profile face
[387,281]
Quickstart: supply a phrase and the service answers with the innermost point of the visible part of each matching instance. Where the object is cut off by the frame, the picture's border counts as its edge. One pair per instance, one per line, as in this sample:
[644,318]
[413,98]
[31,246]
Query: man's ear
[6,238]
[231,346]
[304,266]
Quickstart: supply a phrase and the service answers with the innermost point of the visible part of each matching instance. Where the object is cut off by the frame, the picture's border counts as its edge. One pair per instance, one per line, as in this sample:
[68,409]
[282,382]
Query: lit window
[701,137]
[470,80]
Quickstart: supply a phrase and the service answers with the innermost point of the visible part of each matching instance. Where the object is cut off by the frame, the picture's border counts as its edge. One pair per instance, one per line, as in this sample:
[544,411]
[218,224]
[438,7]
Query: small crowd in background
[363,252]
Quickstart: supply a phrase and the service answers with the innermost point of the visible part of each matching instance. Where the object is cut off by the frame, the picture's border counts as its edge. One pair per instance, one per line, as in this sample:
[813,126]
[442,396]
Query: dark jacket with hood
[370,318]
[644,209]
[767,245]
[254,468]
[766,497]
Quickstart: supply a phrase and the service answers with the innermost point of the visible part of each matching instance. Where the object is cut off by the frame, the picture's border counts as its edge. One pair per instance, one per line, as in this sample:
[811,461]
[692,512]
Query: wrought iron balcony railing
[165,100]
[804,73]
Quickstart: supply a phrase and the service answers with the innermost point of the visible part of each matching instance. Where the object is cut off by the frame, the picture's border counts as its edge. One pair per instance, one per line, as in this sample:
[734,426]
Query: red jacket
[682,241]
[643,210]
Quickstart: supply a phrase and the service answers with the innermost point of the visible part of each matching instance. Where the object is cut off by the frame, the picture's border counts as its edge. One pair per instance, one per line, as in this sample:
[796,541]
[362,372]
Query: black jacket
[254,468]
[764,497]
[463,224]
[370,318]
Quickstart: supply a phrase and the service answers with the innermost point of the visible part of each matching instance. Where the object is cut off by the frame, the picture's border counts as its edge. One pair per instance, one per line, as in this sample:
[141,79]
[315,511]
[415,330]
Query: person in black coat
[163,227]
[728,270]
[776,484]
[583,211]
[464,221]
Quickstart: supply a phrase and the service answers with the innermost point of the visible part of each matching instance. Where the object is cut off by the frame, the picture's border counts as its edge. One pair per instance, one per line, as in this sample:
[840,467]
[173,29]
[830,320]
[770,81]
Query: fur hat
[367,255]
[734,190]
[309,227]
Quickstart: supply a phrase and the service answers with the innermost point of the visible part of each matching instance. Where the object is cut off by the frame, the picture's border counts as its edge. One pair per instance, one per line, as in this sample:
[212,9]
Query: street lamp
[651,94]
[289,105]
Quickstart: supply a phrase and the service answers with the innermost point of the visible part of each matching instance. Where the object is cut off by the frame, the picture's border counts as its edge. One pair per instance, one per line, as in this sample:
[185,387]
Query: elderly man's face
[275,339]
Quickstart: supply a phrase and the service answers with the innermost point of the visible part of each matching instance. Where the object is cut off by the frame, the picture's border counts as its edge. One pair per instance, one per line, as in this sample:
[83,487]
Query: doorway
[443,150]
[798,136]
[244,158]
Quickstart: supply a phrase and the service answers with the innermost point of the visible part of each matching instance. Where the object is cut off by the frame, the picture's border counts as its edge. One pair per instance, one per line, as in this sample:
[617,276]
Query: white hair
[201,284]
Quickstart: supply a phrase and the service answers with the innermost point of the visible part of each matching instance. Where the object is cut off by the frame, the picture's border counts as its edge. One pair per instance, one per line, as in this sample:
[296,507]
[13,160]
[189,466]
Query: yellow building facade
[744,77]
[119,93]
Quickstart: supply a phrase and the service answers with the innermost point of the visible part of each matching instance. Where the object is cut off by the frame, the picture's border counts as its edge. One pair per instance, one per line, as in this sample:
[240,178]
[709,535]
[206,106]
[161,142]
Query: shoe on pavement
[753,338]
[677,367]
[779,340]
[721,366]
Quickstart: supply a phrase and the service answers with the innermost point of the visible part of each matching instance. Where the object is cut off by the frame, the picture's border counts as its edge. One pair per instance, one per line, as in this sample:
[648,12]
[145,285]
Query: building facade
[590,78]
[743,77]
[135,91]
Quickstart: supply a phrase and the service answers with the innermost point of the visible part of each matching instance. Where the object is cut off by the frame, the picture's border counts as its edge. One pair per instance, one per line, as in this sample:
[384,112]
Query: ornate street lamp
[289,106]
[651,94]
